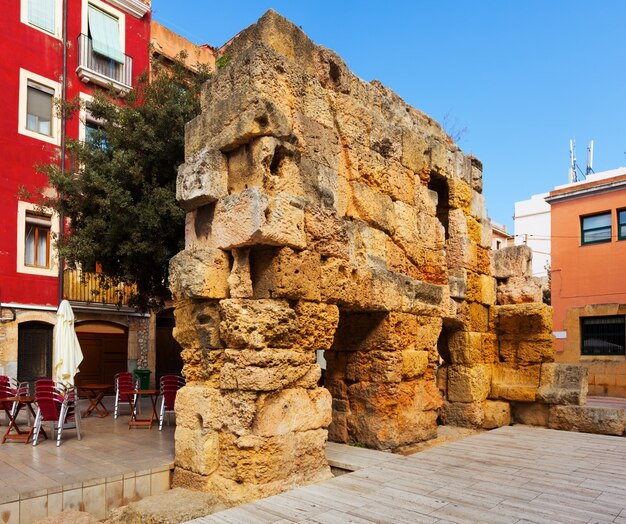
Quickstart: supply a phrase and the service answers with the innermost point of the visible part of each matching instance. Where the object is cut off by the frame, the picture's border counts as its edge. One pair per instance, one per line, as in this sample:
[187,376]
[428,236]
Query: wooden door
[104,355]
[34,351]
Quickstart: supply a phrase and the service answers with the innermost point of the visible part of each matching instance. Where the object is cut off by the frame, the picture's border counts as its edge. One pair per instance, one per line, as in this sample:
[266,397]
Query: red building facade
[52,49]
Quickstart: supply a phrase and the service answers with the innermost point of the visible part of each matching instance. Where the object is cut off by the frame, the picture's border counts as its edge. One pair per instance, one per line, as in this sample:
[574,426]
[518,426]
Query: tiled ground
[516,474]
[108,467]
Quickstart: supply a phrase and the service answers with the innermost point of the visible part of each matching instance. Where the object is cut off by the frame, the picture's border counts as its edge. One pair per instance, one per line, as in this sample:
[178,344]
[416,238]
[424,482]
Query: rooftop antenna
[571,174]
[589,159]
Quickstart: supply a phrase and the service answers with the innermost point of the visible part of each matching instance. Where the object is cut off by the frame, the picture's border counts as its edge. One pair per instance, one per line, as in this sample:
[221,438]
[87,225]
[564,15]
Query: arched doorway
[105,352]
[168,359]
[34,351]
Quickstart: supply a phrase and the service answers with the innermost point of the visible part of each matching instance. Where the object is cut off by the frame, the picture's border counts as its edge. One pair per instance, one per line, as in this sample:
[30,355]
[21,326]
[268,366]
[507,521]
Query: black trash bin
[144,378]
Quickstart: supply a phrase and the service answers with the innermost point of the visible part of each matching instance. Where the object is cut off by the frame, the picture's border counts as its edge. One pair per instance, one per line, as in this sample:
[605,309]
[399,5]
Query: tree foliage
[119,189]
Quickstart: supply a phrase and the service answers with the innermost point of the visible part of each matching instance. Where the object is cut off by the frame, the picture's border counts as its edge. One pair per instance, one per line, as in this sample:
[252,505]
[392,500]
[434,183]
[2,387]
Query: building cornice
[134,7]
[586,191]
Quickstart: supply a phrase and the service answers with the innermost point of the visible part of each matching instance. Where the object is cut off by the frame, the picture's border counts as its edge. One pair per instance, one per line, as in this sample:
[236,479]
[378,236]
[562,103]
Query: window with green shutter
[41,14]
[104,31]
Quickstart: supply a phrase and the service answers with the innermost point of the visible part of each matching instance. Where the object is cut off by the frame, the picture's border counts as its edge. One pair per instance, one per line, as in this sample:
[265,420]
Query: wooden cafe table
[14,432]
[145,422]
[95,394]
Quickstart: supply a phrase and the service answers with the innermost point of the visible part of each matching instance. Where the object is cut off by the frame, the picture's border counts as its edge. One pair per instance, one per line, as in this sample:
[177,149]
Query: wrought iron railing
[95,288]
[106,69]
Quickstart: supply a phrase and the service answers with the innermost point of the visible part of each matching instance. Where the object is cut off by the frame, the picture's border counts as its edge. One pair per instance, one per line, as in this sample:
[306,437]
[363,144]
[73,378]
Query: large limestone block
[196,451]
[461,252]
[415,150]
[391,331]
[463,414]
[203,179]
[326,233]
[372,207]
[374,366]
[521,349]
[252,217]
[197,324]
[292,410]
[604,421]
[268,369]
[531,413]
[519,290]
[387,416]
[524,319]
[257,323]
[285,273]
[460,194]
[476,174]
[469,384]
[466,348]
[563,384]
[481,288]
[415,364]
[513,261]
[316,325]
[497,414]
[515,382]
[457,282]
[199,273]
[202,365]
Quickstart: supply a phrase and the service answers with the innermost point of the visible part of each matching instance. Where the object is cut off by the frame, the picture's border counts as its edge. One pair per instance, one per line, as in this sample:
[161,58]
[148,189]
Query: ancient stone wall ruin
[324,213]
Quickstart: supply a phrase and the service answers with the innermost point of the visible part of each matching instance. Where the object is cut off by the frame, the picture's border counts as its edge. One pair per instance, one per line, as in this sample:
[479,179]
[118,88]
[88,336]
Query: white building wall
[531,225]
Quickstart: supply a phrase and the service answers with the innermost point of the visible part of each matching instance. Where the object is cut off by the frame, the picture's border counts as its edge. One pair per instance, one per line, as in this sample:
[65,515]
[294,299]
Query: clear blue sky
[523,76]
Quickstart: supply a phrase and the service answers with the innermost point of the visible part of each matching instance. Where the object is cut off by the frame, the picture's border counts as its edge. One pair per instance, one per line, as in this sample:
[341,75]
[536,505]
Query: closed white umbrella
[67,352]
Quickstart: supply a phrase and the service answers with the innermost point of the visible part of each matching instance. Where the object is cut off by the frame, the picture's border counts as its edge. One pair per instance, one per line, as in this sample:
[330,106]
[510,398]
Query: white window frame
[83,115]
[58,19]
[55,125]
[52,271]
[121,19]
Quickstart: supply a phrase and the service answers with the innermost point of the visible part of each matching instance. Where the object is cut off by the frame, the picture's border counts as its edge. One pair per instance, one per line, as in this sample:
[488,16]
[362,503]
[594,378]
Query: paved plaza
[515,474]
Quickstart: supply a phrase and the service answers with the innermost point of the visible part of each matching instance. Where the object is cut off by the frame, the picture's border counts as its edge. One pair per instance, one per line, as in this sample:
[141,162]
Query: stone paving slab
[515,474]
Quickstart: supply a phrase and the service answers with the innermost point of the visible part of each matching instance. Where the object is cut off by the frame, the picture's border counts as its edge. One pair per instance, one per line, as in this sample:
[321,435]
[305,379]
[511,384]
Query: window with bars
[602,335]
[596,228]
[37,240]
[621,224]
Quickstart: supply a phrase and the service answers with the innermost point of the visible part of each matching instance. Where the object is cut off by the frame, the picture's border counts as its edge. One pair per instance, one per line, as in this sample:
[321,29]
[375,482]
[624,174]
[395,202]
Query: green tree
[119,191]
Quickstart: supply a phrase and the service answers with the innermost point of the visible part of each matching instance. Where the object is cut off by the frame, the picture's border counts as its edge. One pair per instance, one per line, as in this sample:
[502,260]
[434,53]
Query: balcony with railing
[96,68]
[96,289]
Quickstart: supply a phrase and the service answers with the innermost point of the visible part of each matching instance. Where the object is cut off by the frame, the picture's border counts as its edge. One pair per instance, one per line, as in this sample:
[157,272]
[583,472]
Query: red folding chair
[124,381]
[170,384]
[58,405]
[9,387]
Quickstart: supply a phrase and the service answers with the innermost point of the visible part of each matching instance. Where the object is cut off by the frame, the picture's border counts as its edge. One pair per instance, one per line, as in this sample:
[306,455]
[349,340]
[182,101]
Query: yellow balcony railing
[82,286]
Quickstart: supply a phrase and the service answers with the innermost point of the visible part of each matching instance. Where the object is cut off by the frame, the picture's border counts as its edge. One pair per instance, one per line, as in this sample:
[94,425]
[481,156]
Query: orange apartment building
[588,221]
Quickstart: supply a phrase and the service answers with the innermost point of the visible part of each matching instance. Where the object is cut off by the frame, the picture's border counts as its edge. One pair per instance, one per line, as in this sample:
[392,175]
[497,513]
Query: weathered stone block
[604,421]
[257,323]
[513,261]
[519,290]
[372,207]
[457,281]
[326,232]
[414,364]
[285,273]
[497,414]
[460,194]
[374,366]
[254,218]
[199,273]
[463,414]
[514,382]
[531,413]
[316,325]
[268,369]
[469,384]
[345,284]
[524,350]
[524,319]
[202,179]
[197,324]
[292,410]
[563,384]
[465,348]
[387,416]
